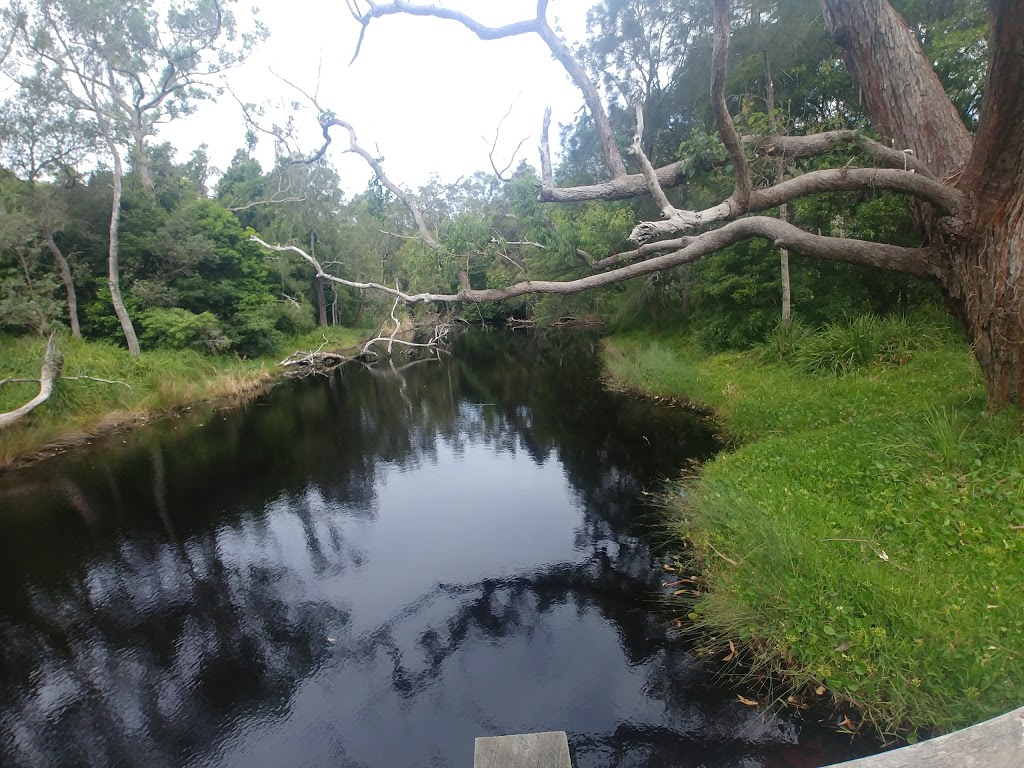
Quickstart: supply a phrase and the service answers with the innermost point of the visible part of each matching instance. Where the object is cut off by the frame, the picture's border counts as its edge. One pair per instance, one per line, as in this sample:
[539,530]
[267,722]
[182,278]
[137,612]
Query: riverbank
[142,389]
[863,535]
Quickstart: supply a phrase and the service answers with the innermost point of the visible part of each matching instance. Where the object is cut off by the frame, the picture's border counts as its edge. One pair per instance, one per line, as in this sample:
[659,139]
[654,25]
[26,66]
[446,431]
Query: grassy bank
[864,532]
[155,382]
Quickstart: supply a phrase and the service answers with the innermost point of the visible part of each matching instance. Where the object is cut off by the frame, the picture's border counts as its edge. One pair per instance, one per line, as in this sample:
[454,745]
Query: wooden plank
[995,743]
[525,750]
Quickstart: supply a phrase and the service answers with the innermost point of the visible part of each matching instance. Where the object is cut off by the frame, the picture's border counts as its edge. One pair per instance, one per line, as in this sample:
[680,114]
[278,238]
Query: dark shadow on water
[369,570]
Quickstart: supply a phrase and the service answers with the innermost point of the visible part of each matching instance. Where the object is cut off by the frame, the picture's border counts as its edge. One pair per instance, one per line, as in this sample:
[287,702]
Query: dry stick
[494,147]
[94,378]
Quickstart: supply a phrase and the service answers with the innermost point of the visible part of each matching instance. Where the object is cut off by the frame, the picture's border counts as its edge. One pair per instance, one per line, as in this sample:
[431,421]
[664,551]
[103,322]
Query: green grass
[861,534]
[157,381]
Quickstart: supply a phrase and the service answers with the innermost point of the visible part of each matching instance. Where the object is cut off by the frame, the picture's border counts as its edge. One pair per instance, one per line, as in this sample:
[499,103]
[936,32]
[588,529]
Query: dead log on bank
[53,363]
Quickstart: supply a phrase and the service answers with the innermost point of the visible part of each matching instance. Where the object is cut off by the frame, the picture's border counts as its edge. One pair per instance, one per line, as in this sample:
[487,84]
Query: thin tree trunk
[321,301]
[318,288]
[780,175]
[113,267]
[69,284]
[141,161]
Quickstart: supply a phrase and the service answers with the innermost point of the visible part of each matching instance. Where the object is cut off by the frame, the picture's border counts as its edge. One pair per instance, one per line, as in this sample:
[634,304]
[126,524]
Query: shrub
[177,328]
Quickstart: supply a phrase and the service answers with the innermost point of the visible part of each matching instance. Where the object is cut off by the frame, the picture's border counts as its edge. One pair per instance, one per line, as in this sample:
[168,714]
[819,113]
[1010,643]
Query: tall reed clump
[852,343]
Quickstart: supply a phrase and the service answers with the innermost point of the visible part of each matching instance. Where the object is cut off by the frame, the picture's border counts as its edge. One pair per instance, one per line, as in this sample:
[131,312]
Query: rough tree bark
[967,195]
[984,246]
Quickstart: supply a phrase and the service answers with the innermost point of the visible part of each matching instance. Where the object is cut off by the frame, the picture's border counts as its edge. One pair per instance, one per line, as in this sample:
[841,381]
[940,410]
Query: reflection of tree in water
[153,601]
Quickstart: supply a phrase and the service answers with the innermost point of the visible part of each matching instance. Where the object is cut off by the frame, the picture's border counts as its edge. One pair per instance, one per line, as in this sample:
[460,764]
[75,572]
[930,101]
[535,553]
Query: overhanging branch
[921,262]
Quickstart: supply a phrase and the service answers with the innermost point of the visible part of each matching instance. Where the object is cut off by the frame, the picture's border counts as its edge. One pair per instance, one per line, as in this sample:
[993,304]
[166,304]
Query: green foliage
[158,380]
[177,328]
[783,341]
[846,345]
[862,536]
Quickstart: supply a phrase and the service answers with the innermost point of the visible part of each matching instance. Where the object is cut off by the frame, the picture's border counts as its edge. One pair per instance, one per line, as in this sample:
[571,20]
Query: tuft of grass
[865,533]
[155,382]
[850,344]
[784,341]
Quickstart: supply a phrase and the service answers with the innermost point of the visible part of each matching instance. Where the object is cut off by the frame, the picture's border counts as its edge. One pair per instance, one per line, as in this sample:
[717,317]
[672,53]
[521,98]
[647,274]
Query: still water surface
[369,569]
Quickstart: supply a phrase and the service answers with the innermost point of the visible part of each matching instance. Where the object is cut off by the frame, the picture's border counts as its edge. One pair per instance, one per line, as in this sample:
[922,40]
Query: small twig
[729,560]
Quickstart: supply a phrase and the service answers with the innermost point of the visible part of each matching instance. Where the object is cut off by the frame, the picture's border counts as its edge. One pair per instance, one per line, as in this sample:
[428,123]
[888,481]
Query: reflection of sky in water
[405,570]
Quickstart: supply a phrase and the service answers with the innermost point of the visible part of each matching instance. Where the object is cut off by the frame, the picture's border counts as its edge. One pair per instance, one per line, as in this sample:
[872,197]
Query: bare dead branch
[921,262]
[649,174]
[494,146]
[273,200]
[817,144]
[792,147]
[644,251]
[53,362]
[815,182]
[538,25]
[97,379]
[327,121]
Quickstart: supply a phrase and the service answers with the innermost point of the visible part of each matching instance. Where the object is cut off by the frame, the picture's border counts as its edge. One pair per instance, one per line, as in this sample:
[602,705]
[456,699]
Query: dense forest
[78,142]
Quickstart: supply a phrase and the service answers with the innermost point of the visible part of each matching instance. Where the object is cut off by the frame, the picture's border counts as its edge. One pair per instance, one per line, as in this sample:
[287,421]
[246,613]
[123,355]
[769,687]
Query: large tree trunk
[902,93]
[985,280]
[113,266]
[988,268]
[69,284]
[987,292]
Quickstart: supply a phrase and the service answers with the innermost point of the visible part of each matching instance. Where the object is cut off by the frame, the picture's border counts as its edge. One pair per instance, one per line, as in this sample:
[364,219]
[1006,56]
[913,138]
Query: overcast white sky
[425,91]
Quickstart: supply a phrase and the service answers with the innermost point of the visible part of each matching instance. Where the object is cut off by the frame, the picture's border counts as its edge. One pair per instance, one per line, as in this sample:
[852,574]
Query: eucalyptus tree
[41,139]
[966,191]
[129,67]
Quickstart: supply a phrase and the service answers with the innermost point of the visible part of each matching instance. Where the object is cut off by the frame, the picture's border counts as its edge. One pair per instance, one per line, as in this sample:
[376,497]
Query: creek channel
[369,569]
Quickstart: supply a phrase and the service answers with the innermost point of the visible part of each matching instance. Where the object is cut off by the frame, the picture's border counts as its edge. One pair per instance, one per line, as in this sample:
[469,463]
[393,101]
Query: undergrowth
[865,534]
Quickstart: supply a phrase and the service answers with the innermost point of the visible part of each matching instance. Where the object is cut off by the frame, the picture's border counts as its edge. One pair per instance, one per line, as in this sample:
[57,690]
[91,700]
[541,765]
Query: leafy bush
[178,328]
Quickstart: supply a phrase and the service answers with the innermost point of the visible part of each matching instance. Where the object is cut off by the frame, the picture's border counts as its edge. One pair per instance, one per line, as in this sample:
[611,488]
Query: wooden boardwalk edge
[995,743]
[525,750]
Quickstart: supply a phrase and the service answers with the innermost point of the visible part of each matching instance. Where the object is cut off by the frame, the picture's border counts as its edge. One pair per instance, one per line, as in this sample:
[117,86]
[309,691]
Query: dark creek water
[366,570]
